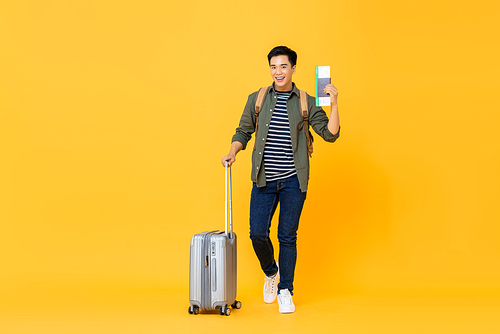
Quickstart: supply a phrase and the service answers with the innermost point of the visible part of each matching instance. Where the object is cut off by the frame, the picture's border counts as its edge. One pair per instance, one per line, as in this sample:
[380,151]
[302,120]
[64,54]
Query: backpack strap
[258,106]
[305,114]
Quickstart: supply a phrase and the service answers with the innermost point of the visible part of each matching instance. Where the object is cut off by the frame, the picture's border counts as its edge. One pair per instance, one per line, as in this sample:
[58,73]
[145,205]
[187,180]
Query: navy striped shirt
[278,152]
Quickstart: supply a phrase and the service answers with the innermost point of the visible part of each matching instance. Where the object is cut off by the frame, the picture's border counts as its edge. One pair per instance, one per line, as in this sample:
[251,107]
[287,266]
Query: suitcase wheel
[194,310]
[236,304]
[225,310]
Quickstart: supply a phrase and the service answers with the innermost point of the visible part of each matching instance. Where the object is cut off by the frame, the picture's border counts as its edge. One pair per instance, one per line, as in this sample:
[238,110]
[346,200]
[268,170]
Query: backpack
[303,107]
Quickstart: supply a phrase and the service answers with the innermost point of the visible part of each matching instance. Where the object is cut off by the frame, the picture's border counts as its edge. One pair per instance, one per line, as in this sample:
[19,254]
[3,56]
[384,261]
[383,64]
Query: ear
[294,68]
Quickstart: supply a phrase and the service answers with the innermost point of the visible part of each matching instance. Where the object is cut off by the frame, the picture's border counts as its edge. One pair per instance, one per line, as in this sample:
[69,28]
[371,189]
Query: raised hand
[333,92]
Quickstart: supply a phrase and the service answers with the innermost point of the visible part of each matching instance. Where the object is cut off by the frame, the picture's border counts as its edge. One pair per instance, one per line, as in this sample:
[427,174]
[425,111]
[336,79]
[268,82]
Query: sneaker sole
[285,312]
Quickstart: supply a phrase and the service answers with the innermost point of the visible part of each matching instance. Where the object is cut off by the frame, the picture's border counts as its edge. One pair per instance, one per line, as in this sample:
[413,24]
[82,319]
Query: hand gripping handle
[230,213]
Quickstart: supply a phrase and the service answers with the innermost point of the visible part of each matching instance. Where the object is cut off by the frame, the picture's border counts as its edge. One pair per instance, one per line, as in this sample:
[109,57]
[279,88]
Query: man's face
[282,71]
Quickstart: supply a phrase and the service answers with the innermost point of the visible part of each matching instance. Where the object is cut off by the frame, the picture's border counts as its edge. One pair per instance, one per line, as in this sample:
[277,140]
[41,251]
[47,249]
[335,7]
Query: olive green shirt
[317,119]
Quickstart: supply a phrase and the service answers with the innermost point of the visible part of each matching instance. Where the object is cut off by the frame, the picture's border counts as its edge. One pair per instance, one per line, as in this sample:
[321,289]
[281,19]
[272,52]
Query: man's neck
[287,89]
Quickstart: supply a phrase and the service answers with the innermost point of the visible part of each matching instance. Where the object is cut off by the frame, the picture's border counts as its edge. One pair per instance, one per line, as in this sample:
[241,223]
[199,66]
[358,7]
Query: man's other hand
[333,92]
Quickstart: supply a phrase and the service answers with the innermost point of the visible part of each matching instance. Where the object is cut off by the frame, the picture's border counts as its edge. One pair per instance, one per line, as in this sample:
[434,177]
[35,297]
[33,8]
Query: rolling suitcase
[212,267]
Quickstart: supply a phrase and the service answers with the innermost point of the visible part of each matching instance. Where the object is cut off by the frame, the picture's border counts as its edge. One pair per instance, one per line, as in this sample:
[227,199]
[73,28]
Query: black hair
[283,51]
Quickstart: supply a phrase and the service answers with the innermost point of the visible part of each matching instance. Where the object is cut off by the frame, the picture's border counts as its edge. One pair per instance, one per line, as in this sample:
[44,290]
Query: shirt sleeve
[247,122]
[319,122]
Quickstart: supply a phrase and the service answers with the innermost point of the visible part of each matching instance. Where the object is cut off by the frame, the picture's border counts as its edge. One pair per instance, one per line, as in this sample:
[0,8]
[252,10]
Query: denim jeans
[263,204]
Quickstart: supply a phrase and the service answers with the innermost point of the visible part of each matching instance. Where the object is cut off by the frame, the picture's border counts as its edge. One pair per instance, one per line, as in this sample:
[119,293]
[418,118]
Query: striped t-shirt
[278,152]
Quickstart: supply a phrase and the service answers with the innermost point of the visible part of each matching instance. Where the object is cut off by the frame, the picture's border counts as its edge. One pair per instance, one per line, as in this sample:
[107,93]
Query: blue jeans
[262,207]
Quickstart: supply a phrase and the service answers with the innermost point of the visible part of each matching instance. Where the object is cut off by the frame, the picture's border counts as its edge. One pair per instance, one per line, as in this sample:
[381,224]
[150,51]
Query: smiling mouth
[280,78]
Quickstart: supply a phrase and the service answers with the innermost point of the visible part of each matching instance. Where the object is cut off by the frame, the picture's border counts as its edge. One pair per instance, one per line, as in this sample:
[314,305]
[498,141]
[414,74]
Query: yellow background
[114,116]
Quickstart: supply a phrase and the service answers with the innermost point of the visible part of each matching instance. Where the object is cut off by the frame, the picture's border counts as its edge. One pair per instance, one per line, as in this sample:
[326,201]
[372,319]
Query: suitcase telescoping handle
[230,213]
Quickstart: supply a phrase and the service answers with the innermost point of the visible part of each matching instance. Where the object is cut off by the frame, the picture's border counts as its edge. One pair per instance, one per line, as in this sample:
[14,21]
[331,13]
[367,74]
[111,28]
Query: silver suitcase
[212,267]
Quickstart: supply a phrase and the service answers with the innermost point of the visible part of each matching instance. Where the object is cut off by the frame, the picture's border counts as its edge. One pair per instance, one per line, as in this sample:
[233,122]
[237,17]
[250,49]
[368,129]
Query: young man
[280,169]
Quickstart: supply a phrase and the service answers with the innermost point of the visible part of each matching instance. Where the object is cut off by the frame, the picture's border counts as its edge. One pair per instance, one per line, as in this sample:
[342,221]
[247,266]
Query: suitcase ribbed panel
[196,268]
[205,284]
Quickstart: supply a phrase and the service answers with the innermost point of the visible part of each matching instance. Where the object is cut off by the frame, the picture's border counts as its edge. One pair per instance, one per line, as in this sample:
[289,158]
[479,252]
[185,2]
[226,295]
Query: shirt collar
[294,89]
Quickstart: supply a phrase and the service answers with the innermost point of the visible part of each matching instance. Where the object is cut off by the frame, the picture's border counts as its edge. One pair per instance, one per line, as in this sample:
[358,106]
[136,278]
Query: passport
[322,79]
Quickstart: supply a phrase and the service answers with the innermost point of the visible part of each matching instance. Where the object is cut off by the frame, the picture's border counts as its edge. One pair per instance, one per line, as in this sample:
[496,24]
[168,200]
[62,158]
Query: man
[280,169]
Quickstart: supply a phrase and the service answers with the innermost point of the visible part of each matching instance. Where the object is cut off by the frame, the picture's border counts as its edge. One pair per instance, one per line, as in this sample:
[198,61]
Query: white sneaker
[285,302]
[271,287]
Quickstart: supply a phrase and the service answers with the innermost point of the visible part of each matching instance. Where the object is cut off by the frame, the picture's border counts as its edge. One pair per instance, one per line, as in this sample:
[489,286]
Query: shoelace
[269,284]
